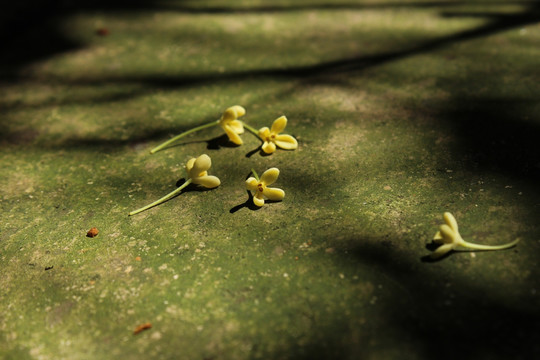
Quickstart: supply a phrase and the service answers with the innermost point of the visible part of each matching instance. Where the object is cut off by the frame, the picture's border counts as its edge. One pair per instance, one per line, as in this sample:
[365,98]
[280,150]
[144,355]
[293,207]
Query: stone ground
[402,110]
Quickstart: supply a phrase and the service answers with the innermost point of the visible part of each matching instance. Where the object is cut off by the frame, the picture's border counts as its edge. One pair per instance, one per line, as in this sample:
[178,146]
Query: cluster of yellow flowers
[233,127]
[197,168]
[447,238]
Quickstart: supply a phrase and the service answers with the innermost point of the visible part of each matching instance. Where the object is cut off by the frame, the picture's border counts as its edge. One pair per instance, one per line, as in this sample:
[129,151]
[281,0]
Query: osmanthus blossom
[449,238]
[261,189]
[229,123]
[197,173]
[272,138]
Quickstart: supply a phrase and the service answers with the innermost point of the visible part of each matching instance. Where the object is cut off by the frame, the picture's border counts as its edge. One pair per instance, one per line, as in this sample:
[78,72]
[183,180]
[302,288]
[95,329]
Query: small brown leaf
[142,327]
[93,232]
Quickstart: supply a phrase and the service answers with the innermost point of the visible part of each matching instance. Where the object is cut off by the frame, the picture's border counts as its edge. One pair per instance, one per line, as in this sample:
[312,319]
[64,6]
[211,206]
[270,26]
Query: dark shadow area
[247,204]
[328,6]
[353,65]
[485,326]
[254,151]
[50,12]
[433,320]
[29,32]
[221,141]
[48,16]
[493,135]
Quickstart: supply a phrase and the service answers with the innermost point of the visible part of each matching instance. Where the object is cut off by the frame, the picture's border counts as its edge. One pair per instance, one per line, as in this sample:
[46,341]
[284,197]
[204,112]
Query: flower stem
[170,141]
[163,199]
[488,247]
[255,174]
[252,130]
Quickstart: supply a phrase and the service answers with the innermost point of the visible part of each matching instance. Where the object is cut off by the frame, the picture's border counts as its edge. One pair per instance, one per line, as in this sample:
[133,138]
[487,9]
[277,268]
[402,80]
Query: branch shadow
[427,317]
[324,71]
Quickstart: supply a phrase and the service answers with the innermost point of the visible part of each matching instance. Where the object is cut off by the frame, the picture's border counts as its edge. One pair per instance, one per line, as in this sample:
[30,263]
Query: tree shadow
[424,315]
[305,74]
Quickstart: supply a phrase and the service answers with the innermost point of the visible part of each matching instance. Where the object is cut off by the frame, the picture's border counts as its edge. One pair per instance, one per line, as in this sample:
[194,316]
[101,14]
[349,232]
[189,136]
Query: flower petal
[202,163]
[274,193]
[239,110]
[450,220]
[270,176]
[233,136]
[237,126]
[258,200]
[189,164]
[441,250]
[232,113]
[207,181]
[264,133]
[447,233]
[251,184]
[286,142]
[268,147]
[279,124]
[438,239]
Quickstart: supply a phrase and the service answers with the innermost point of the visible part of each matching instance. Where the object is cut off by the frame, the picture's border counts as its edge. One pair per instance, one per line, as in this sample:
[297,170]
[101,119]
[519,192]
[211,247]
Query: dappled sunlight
[401,110]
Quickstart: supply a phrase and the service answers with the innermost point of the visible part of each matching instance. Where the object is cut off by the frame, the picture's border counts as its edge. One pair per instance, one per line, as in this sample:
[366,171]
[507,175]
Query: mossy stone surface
[402,110]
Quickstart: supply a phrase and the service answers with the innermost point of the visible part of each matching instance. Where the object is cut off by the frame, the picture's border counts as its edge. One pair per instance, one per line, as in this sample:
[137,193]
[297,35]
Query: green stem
[488,247]
[252,130]
[255,174]
[170,141]
[163,199]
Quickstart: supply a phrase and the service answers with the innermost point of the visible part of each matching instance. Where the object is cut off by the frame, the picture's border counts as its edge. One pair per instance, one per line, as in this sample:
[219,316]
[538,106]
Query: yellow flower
[228,122]
[449,238]
[260,186]
[231,125]
[197,170]
[272,138]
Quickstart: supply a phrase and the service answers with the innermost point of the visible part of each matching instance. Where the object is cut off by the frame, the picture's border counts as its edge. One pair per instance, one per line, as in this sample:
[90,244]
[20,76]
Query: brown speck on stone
[142,327]
[93,232]
[102,31]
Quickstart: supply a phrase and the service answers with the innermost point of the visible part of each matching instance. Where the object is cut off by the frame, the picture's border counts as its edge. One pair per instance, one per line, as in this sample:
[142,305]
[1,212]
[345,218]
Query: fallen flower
[449,238]
[197,170]
[231,125]
[260,186]
[272,138]
[228,122]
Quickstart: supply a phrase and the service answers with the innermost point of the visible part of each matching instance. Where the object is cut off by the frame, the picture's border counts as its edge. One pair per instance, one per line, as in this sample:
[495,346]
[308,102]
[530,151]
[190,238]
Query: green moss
[401,112]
